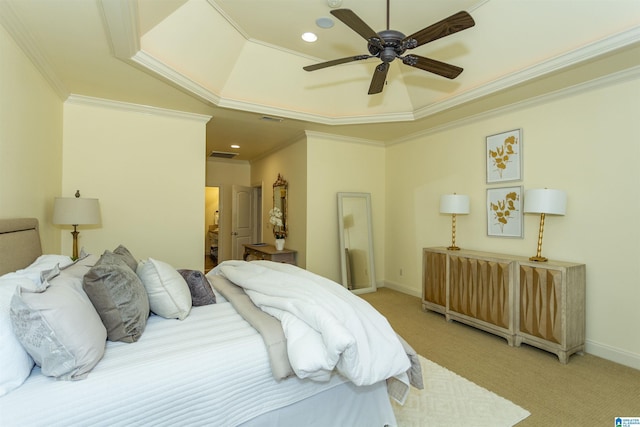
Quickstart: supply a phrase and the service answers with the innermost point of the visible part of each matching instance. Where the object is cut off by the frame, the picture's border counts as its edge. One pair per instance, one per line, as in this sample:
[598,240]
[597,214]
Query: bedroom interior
[117,117]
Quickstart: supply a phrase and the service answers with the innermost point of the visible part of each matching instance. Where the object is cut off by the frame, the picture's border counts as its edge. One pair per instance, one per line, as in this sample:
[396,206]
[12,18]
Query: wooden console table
[269,253]
[538,303]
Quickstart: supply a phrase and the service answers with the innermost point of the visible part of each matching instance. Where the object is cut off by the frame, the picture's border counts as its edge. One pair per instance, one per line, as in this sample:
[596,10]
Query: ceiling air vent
[222,155]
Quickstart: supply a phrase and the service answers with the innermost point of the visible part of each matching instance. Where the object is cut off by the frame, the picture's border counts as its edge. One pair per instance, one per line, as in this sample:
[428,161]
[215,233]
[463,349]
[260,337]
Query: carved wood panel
[480,288]
[435,286]
[541,302]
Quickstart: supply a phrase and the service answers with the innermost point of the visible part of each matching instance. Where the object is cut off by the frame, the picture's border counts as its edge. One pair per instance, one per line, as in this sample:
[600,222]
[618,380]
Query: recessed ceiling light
[334,3]
[235,146]
[324,22]
[309,37]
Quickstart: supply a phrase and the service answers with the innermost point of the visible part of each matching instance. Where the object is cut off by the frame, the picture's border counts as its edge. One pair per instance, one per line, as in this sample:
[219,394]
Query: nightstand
[269,253]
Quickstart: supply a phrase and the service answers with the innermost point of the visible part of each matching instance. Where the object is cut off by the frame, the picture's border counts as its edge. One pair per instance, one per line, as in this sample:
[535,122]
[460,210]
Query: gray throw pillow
[126,256]
[119,297]
[199,286]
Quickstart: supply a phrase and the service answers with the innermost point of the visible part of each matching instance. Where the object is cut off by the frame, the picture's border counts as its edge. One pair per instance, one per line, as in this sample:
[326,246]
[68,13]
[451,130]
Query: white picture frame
[504,212]
[504,156]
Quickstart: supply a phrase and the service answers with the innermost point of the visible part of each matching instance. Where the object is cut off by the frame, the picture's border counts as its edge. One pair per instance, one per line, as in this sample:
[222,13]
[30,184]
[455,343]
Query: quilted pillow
[14,359]
[119,297]
[199,287]
[58,326]
[168,292]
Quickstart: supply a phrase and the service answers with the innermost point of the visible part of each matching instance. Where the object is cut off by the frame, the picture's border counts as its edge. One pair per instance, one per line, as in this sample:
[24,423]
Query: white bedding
[327,327]
[208,369]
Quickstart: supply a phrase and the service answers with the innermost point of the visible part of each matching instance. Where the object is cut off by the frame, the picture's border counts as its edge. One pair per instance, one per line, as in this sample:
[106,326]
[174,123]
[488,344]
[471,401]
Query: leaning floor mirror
[356,242]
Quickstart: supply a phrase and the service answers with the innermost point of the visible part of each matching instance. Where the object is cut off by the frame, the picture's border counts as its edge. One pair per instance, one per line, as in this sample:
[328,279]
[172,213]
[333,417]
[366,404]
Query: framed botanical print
[504,156]
[504,212]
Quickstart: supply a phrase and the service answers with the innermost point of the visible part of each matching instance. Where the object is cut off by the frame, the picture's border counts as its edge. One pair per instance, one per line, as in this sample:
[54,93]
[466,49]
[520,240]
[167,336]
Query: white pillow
[43,263]
[169,294]
[15,361]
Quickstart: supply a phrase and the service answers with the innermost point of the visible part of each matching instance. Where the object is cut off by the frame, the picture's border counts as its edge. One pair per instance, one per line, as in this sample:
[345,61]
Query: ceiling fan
[390,44]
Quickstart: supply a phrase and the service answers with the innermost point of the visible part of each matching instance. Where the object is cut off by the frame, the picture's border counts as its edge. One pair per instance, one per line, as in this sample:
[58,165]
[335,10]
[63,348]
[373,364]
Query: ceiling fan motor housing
[389,47]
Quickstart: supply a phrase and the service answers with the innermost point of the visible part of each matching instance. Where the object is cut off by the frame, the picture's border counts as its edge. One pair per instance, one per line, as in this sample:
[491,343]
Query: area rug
[450,400]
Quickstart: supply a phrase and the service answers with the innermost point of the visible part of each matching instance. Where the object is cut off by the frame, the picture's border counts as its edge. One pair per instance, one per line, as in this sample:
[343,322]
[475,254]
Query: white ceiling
[239,60]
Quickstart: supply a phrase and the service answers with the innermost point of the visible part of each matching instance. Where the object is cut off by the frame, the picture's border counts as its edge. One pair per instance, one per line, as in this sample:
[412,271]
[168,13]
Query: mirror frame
[281,187]
[344,264]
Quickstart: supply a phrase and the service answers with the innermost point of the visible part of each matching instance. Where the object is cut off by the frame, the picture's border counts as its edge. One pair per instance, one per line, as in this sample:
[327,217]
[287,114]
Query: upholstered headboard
[19,243]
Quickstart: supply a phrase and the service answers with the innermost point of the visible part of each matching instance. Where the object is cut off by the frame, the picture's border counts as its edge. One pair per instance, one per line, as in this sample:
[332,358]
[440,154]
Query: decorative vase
[279,244]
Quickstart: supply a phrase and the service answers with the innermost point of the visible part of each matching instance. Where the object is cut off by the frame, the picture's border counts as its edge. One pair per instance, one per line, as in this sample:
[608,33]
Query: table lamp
[545,202]
[454,204]
[76,211]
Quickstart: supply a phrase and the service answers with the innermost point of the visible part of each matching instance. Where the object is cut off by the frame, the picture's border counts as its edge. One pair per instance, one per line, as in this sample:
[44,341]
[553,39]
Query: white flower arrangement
[275,218]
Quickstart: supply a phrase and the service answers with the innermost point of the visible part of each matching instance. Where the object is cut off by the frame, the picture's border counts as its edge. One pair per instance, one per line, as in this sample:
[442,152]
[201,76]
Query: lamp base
[538,259]
[453,248]
[75,233]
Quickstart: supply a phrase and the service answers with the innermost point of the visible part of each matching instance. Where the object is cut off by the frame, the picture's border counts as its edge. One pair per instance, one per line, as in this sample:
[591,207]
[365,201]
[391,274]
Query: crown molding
[296,138]
[575,57]
[120,20]
[230,161]
[124,37]
[619,77]
[341,138]
[25,41]
[156,66]
[136,108]
[150,63]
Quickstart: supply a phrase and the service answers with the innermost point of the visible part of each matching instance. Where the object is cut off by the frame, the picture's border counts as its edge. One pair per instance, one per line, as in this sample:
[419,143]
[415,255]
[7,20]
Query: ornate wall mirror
[280,189]
[356,242]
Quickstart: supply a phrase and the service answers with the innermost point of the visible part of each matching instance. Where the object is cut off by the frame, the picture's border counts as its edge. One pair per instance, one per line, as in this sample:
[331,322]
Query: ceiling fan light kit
[387,45]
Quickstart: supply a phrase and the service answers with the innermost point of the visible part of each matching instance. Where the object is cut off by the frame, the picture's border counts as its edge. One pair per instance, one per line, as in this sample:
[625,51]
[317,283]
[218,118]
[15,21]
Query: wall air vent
[222,155]
[271,119]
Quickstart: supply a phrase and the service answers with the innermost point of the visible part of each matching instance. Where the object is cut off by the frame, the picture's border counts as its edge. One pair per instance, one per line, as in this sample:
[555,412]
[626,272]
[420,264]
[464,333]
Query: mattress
[208,369]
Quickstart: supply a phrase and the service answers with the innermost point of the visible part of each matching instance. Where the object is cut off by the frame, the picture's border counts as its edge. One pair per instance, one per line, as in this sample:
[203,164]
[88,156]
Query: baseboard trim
[401,288]
[613,354]
[604,351]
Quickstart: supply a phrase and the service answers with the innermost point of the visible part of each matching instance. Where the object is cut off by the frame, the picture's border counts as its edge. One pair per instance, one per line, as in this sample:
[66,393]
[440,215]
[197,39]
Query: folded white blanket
[327,327]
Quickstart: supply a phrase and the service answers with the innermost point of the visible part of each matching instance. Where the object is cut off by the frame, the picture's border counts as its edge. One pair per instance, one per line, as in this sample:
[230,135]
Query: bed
[210,368]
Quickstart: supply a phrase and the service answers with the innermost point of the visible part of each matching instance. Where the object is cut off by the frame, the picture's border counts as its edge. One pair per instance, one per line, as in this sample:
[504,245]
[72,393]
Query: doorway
[212,227]
[246,218]
[219,227]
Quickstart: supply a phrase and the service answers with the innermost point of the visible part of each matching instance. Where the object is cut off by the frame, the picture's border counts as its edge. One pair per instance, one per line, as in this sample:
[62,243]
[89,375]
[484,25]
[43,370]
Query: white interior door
[241,221]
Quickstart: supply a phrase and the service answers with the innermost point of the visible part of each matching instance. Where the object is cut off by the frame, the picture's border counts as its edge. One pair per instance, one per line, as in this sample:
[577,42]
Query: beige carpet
[450,400]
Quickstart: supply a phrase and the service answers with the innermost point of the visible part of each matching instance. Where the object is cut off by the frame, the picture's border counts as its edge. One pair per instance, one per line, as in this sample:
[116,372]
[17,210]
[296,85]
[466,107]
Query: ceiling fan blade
[456,22]
[353,21]
[336,62]
[379,77]
[431,65]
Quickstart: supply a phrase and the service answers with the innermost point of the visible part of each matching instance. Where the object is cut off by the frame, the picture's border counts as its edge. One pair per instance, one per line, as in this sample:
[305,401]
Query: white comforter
[327,327]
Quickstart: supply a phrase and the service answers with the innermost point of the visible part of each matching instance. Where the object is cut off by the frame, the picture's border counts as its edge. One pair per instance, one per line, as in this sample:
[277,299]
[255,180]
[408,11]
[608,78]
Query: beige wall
[141,167]
[341,165]
[316,170]
[584,142]
[30,142]
[225,174]
[291,163]
[147,169]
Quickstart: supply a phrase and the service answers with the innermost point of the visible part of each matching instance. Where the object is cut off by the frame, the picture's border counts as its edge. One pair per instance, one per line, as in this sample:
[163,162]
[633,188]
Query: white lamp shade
[546,201]
[454,204]
[76,211]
